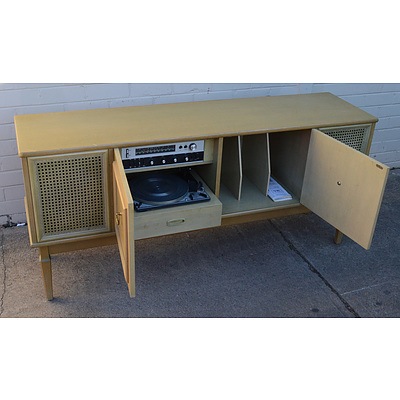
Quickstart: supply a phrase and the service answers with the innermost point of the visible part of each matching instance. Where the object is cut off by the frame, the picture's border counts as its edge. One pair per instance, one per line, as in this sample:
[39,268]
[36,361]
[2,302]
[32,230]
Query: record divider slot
[246,156]
[232,171]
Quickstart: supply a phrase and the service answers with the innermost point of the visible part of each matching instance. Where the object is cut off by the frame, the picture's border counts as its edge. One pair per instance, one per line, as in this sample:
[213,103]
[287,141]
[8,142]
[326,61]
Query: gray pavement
[286,267]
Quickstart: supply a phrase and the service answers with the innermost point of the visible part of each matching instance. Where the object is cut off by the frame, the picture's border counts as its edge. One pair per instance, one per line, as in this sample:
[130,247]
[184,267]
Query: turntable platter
[158,188]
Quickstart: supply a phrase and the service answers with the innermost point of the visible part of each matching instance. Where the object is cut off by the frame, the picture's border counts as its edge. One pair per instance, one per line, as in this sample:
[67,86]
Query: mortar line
[315,271]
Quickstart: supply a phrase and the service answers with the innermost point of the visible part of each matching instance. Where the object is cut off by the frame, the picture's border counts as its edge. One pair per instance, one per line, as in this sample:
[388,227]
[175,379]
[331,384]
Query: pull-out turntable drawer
[180,218]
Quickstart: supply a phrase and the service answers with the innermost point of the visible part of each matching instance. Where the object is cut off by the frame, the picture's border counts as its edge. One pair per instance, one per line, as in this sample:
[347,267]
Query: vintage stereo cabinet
[81,168]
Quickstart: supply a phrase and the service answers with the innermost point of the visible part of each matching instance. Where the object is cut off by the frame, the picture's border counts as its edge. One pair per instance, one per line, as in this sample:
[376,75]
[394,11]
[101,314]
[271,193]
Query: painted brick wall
[382,100]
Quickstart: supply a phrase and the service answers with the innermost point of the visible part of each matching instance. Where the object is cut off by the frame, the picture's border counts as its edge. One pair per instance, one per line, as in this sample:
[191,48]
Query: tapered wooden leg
[45,262]
[338,237]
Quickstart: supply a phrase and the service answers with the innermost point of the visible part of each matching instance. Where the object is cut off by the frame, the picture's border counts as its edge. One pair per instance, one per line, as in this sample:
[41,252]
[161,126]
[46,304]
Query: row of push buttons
[162,160]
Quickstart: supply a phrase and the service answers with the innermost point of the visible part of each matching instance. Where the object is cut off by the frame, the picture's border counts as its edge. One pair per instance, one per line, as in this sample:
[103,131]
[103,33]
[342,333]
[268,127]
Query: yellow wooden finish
[105,239]
[45,262]
[232,171]
[211,173]
[119,127]
[344,187]
[124,214]
[262,214]
[255,159]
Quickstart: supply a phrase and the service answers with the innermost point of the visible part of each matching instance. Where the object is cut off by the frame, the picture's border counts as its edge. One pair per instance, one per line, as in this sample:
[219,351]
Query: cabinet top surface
[51,133]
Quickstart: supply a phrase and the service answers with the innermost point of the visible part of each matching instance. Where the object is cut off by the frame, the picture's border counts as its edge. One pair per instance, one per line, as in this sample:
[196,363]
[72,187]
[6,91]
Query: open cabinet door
[123,209]
[344,187]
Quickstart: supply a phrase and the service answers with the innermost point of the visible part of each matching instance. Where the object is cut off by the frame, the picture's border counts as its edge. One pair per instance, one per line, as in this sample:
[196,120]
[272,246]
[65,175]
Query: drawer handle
[175,222]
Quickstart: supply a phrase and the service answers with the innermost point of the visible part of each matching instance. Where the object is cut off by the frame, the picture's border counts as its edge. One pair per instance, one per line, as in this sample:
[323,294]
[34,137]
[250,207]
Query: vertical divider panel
[256,160]
[231,172]
[211,173]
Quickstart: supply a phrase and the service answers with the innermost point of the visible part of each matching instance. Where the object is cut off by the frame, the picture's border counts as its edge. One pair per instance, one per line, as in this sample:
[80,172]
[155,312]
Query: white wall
[381,100]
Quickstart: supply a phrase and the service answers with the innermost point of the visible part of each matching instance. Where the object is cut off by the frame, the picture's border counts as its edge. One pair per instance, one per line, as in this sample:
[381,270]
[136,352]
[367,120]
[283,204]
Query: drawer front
[178,219]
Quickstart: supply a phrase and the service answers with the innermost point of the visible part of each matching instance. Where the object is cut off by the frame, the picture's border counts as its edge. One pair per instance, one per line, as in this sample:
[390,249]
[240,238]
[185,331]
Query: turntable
[160,189]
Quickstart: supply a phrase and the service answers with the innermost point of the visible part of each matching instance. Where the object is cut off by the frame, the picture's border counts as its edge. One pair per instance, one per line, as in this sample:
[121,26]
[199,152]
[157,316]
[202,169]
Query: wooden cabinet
[315,146]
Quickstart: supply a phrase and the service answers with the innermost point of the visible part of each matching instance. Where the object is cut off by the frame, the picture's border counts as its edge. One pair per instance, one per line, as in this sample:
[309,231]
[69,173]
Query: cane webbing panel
[353,136]
[71,193]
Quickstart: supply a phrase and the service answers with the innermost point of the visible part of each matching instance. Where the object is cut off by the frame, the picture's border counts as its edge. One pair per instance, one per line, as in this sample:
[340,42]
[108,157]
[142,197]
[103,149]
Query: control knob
[192,146]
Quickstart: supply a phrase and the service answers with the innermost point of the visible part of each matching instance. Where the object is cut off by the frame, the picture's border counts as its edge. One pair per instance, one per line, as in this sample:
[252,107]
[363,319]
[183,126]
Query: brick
[13,86]
[14,192]
[12,207]
[150,89]
[8,148]
[343,89]
[106,91]
[254,92]
[376,147]
[7,115]
[15,98]
[181,88]
[11,178]
[387,134]
[86,105]
[40,96]
[389,98]
[10,163]
[391,145]
[136,101]
[382,111]
[284,90]
[272,85]
[387,157]
[175,98]
[61,94]
[215,87]
[214,95]
[389,122]
[7,132]
[38,109]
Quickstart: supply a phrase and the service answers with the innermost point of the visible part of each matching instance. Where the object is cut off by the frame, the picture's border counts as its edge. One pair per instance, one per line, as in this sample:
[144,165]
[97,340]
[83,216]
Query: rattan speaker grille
[72,194]
[353,136]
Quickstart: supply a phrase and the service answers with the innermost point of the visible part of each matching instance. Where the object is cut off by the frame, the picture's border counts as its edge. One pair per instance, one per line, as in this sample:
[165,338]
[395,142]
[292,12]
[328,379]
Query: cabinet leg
[45,262]
[338,237]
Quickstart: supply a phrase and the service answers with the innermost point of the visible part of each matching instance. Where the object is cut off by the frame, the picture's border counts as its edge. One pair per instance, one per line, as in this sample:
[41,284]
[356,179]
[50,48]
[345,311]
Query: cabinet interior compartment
[248,163]
[245,161]
[175,218]
[245,174]
[288,152]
